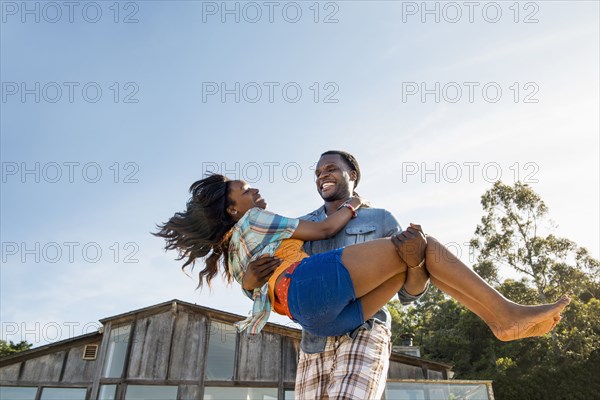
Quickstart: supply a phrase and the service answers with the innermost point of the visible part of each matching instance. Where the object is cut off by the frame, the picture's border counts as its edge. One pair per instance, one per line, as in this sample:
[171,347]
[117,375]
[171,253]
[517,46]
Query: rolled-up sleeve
[390,225]
[407,298]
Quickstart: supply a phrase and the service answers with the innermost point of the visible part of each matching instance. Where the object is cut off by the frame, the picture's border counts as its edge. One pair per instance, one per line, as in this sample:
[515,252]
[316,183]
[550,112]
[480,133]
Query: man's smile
[326,186]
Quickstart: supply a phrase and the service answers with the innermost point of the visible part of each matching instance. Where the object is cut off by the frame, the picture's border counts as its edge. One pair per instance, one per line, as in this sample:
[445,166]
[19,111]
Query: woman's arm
[309,230]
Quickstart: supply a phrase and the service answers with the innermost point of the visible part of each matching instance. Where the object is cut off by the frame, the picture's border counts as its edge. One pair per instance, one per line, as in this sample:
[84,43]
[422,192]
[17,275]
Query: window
[220,357]
[151,392]
[63,394]
[241,393]
[117,351]
[289,395]
[17,393]
[107,392]
[435,391]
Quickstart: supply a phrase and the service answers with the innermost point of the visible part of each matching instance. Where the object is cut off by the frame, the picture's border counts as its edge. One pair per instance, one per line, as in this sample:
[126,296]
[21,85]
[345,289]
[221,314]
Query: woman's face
[243,198]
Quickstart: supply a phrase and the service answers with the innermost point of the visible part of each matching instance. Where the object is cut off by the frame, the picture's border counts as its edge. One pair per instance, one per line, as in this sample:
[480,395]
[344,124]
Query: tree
[8,348]
[515,233]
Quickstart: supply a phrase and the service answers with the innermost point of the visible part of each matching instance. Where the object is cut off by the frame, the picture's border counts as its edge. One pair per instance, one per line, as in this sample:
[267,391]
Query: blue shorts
[321,296]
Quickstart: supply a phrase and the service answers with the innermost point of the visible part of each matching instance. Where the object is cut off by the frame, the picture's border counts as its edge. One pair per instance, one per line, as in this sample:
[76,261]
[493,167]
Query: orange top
[290,251]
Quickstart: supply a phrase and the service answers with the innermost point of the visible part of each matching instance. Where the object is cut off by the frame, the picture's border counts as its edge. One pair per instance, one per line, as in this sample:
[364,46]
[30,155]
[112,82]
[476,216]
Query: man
[355,365]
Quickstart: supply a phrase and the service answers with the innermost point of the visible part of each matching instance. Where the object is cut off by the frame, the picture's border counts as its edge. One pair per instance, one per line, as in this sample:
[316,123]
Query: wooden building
[178,350]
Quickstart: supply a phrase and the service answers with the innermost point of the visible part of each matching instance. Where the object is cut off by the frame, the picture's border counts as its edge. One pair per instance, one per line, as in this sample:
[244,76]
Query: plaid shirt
[257,233]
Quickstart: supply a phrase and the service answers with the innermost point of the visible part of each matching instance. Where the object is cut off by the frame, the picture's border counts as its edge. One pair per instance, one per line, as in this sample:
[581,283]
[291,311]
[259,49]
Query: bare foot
[531,330]
[531,321]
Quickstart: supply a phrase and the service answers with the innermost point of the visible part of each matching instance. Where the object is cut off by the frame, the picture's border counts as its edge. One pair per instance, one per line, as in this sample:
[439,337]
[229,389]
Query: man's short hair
[350,161]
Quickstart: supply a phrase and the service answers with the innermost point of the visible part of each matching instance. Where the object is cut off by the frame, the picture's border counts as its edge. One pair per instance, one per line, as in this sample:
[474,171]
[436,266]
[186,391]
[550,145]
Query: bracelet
[349,206]
[344,203]
[420,265]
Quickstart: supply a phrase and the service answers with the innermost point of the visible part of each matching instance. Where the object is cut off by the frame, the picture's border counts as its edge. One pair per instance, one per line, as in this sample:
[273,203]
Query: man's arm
[259,272]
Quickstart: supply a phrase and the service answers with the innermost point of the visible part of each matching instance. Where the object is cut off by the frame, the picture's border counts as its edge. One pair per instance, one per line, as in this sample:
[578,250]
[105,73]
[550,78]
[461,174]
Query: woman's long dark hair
[203,230]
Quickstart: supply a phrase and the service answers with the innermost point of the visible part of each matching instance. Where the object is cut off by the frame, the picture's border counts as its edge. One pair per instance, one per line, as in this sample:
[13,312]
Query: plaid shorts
[347,368]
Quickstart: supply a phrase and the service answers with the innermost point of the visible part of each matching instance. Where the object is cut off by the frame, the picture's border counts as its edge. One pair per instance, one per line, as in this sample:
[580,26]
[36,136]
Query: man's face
[335,180]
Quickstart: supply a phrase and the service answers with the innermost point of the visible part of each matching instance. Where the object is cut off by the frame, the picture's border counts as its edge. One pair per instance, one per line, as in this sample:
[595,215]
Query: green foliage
[8,348]
[515,233]
[512,234]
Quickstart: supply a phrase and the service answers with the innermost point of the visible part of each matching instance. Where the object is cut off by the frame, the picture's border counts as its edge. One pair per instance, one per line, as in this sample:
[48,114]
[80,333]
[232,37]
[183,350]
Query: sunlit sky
[109,112]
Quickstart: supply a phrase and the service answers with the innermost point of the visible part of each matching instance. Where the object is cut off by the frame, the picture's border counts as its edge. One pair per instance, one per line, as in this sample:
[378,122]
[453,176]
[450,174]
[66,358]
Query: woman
[332,293]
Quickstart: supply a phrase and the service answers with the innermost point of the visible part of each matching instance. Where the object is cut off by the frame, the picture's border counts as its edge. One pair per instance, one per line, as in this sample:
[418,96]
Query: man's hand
[259,272]
[410,245]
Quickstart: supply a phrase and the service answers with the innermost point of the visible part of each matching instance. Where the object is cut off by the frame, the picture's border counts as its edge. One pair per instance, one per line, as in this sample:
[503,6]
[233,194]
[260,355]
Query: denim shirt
[370,223]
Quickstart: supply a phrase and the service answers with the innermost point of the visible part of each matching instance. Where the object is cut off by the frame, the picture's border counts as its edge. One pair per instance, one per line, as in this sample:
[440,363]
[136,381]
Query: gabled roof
[176,305]
[51,348]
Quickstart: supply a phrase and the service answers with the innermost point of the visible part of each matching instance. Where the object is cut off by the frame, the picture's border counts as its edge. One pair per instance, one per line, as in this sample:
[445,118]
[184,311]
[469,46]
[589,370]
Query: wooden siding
[45,369]
[403,371]
[76,368]
[10,372]
[150,347]
[187,352]
[290,350]
[259,358]
[435,375]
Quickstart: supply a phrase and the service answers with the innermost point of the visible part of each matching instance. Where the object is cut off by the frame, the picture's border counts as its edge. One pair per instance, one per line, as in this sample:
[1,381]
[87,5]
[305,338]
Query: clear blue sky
[517,92]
